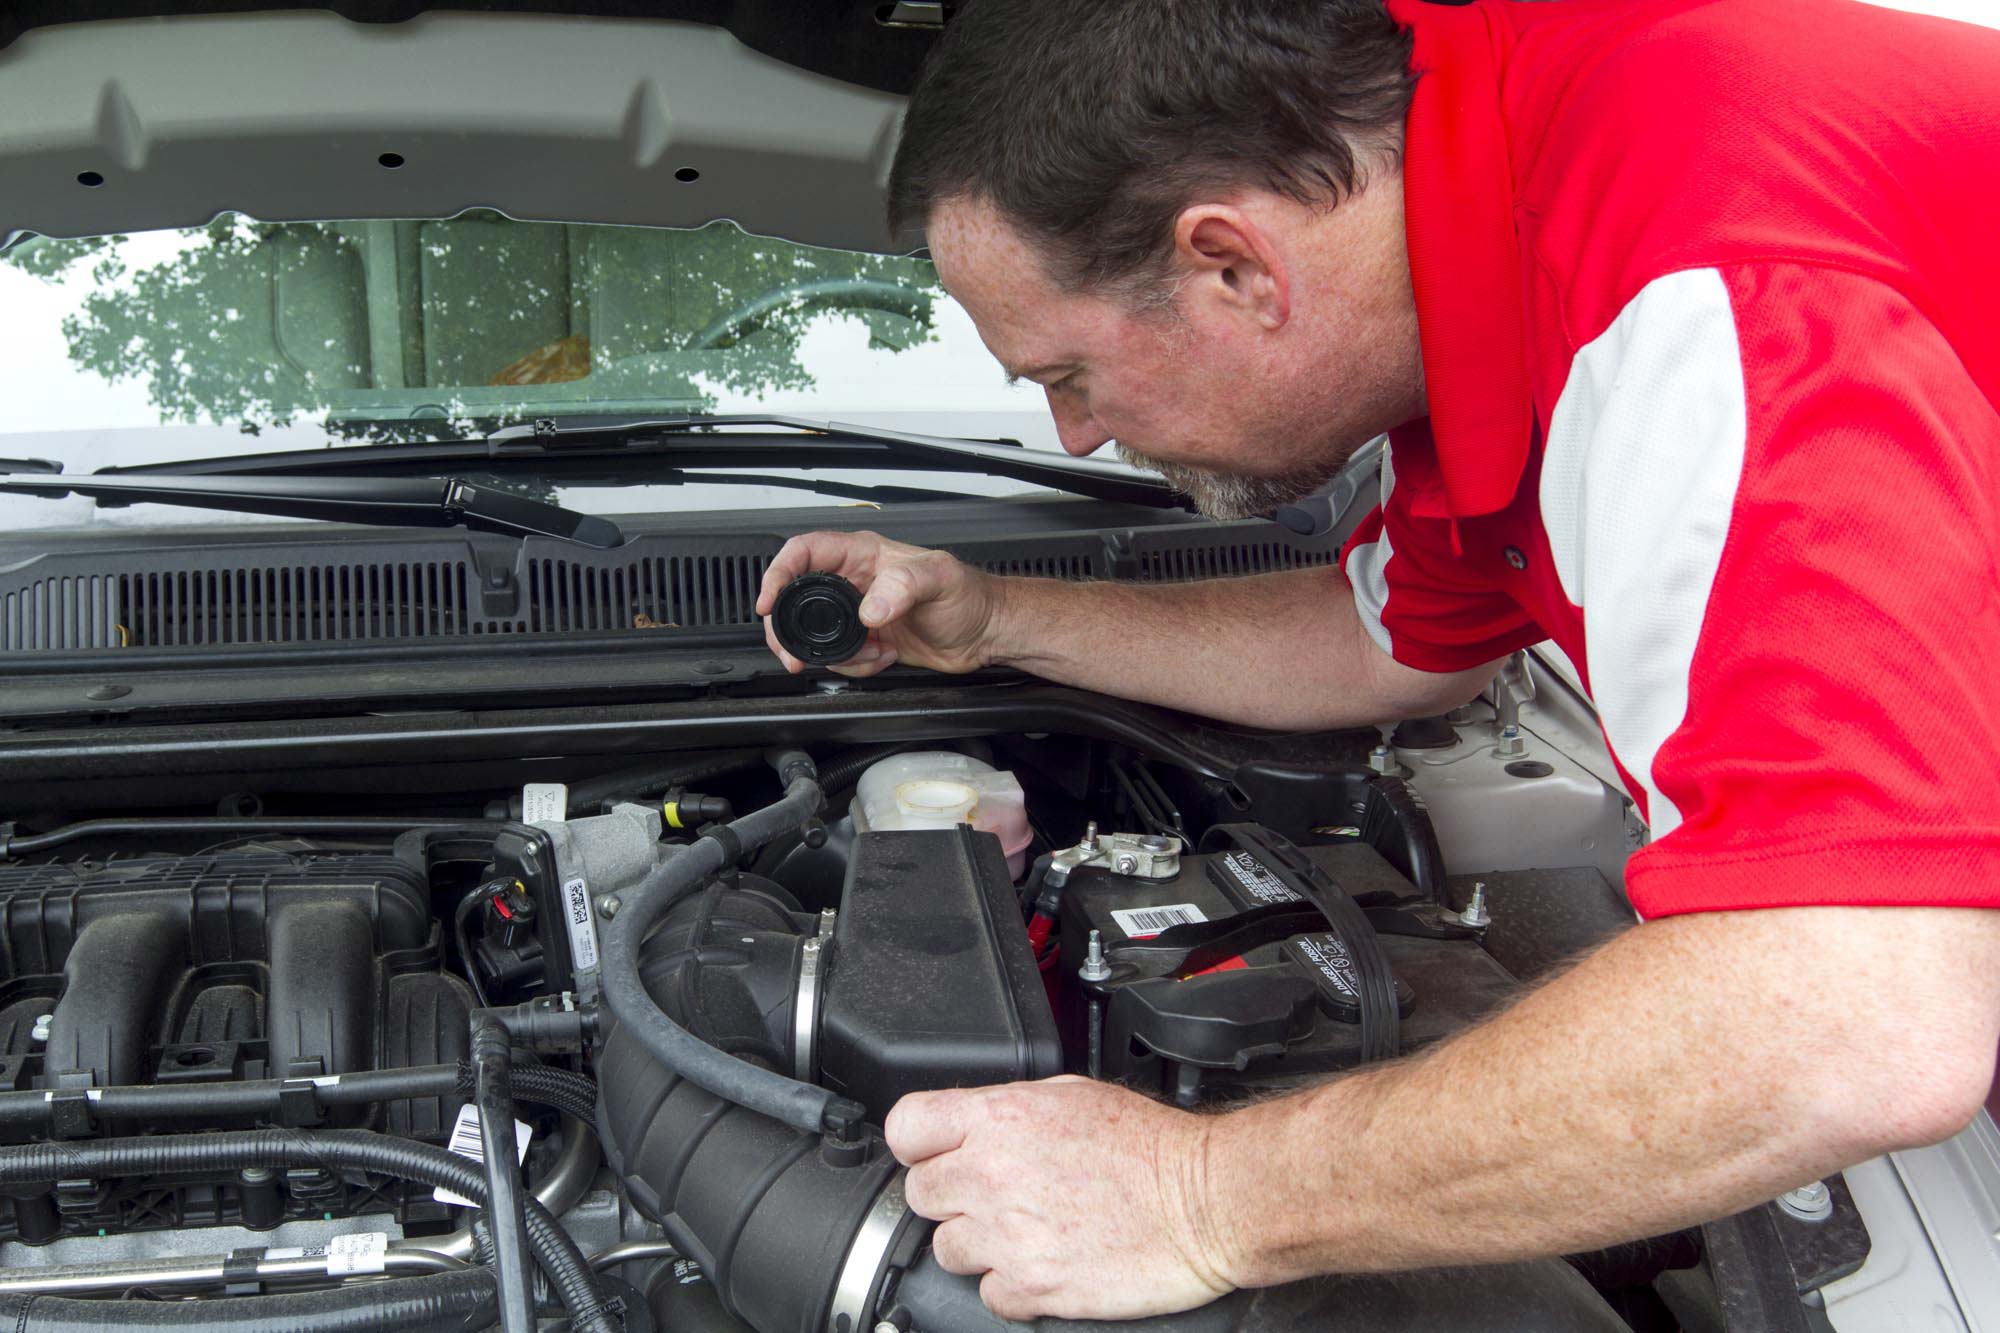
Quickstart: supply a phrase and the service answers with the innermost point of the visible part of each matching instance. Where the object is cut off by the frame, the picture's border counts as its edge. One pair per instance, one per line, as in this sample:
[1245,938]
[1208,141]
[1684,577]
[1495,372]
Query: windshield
[245,337]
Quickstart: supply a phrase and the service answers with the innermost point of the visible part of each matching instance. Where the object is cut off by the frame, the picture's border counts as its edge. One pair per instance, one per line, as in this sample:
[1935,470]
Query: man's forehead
[981,260]
[989,268]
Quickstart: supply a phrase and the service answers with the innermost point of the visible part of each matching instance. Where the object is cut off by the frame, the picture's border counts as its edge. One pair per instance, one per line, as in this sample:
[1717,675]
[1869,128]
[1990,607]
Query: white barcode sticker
[357,1252]
[345,1255]
[544,802]
[582,925]
[1142,923]
[465,1141]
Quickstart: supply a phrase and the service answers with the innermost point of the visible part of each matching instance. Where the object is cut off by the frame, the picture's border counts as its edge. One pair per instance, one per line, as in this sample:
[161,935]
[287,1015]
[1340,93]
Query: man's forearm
[1277,650]
[1680,1074]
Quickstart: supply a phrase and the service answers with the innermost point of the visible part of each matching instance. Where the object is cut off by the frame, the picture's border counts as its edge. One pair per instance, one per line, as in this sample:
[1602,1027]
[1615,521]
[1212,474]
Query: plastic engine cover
[932,983]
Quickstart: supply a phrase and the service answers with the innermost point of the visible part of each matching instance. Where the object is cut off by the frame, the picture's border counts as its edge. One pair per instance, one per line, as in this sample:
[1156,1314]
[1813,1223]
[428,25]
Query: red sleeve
[1420,602]
[1840,740]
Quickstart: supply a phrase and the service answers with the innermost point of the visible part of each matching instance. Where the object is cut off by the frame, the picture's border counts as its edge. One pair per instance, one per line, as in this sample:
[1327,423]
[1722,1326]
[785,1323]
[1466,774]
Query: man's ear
[1230,260]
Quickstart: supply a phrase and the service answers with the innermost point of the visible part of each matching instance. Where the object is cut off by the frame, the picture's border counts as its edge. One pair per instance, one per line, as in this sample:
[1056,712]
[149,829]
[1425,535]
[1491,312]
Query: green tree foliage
[383,327]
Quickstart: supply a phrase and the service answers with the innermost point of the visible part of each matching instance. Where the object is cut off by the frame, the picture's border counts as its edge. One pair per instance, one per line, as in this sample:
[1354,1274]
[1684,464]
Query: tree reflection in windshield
[385,329]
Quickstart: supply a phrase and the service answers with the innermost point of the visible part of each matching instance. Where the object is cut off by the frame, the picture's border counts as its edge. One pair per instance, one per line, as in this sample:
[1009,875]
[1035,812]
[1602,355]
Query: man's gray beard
[1221,494]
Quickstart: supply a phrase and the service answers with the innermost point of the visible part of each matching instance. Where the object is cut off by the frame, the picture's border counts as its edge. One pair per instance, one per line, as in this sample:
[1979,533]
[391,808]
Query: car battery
[1228,975]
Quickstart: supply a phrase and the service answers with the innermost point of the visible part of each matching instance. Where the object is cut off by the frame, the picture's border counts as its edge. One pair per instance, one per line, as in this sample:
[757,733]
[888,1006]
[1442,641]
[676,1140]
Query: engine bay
[256,1061]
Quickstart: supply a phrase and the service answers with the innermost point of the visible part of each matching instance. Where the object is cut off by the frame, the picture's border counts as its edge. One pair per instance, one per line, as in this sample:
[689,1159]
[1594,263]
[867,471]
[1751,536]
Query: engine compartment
[187,998]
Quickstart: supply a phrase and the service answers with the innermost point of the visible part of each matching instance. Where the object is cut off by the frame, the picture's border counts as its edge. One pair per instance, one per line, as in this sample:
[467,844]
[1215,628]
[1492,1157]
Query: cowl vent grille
[293,604]
[399,590]
[199,607]
[565,597]
[263,596]
[1223,560]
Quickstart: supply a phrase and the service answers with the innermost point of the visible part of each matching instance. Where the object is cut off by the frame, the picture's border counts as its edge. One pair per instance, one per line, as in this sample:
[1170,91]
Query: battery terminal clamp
[1138,855]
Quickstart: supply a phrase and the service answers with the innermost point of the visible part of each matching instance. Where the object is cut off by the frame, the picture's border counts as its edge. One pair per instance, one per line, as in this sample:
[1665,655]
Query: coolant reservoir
[938,788]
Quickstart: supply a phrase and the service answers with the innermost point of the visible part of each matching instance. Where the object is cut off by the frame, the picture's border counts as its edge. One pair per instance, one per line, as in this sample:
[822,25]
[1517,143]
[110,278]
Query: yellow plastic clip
[672,811]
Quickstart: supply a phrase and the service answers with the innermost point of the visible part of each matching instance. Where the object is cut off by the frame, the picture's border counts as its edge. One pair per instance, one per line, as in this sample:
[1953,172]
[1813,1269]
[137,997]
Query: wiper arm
[425,502]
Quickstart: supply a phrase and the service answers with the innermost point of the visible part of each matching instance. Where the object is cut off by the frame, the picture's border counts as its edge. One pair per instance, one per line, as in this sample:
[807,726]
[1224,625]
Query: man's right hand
[921,607]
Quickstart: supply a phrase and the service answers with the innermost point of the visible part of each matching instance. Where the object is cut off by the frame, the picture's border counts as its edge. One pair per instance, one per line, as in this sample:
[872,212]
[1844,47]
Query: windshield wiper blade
[1095,477]
[748,440]
[426,502]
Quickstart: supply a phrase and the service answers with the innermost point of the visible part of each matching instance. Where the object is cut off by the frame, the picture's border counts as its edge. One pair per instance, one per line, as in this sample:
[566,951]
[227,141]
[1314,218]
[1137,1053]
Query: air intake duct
[797,1236]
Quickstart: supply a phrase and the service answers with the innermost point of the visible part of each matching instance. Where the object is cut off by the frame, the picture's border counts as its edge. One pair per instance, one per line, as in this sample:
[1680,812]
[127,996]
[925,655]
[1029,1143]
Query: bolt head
[1094,967]
[1808,1203]
[608,905]
[1475,914]
[1126,863]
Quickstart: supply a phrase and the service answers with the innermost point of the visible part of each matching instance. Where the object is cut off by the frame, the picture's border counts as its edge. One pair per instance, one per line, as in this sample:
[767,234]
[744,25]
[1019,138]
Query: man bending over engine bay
[1680,315]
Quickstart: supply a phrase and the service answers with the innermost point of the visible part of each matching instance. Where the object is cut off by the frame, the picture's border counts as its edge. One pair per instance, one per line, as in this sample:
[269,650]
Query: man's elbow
[1901,1089]
[1405,692]
[1863,1030]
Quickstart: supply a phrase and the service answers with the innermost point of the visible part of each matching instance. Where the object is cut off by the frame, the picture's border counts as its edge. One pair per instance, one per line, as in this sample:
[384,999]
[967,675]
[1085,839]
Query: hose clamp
[805,1008]
[866,1258]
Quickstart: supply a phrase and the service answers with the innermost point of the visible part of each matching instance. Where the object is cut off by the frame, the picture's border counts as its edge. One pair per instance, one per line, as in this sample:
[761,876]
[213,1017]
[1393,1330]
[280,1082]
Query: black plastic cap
[818,619]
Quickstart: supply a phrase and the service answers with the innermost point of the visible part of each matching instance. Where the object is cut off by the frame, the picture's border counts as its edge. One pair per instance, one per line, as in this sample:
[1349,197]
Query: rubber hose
[560,1089]
[836,781]
[585,797]
[800,1105]
[844,770]
[433,1301]
[505,1210]
[324,1149]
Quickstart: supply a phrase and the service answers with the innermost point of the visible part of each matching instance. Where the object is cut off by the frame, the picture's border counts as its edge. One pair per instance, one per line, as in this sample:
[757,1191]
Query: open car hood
[780,117]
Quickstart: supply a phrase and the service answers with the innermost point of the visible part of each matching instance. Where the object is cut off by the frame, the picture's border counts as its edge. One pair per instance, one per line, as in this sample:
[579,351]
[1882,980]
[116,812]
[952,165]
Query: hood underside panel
[129,124]
[860,41]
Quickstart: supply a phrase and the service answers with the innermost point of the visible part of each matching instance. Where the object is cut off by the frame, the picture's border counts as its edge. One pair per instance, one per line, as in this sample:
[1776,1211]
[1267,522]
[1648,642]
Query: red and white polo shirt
[1709,297]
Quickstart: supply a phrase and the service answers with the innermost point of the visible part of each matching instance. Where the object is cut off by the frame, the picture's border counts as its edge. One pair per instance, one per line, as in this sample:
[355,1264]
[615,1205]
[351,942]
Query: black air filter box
[932,984]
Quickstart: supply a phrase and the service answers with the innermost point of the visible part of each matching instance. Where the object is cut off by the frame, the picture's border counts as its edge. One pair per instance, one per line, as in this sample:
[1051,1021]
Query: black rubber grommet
[818,619]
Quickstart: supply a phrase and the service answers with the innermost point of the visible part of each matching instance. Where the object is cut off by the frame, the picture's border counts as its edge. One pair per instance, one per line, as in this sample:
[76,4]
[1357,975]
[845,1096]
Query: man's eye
[1069,383]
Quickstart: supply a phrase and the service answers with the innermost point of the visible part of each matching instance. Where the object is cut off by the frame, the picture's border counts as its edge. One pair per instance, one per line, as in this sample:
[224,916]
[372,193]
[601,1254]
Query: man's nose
[1078,432]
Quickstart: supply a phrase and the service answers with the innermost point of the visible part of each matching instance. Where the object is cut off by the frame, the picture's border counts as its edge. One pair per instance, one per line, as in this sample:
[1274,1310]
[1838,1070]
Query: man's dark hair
[1089,124]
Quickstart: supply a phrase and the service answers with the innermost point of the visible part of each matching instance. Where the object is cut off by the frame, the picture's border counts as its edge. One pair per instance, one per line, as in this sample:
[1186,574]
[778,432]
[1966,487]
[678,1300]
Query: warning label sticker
[1330,960]
[1328,955]
[544,802]
[1256,885]
[1142,923]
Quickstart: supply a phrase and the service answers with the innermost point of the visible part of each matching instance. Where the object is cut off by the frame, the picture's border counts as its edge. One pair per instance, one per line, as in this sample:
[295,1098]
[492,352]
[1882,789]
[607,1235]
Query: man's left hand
[1076,1199]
